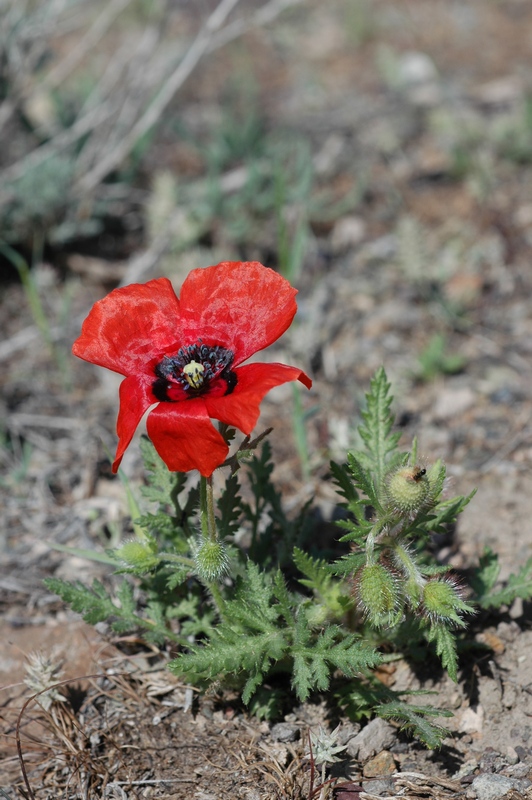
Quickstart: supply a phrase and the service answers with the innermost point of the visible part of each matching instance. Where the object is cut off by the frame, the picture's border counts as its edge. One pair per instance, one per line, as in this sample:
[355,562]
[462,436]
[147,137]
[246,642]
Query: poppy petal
[185,438]
[135,398]
[241,305]
[241,407]
[131,327]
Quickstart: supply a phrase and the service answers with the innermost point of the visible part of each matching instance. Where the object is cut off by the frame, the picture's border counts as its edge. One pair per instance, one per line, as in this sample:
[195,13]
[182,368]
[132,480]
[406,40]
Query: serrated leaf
[362,478]
[518,585]
[415,720]
[445,643]
[378,421]
[315,571]
[162,484]
[229,508]
[344,482]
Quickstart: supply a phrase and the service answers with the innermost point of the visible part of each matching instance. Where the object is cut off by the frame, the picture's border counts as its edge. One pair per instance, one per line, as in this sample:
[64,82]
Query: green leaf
[518,585]
[344,482]
[415,720]
[362,478]
[378,421]
[229,508]
[95,604]
[163,485]
[485,576]
[90,555]
[445,643]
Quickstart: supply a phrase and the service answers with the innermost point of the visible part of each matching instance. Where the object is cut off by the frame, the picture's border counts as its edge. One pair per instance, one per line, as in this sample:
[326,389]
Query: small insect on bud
[408,489]
[211,560]
[378,593]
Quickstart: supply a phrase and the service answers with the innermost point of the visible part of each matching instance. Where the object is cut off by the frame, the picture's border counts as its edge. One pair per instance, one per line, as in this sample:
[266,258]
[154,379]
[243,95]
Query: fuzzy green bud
[211,560]
[378,593]
[442,601]
[139,555]
[408,489]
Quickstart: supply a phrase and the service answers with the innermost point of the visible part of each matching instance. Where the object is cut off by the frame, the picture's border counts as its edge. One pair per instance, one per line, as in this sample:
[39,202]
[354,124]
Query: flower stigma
[195,370]
[193,373]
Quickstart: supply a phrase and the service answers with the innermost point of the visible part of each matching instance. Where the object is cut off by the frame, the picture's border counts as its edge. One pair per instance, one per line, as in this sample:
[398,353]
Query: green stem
[204,513]
[217,596]
[208,530]
[186,562]
[409,564]
[208,518]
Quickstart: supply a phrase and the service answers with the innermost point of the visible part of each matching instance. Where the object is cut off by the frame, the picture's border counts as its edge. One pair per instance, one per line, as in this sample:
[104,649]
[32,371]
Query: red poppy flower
[185,355]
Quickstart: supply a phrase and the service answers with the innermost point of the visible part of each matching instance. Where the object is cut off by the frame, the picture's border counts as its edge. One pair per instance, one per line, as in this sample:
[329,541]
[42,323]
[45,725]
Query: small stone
[466,770]
[471,721]
[492,787]
[382,764]
[508,631]
[381,788]
[415,68]
[454,401]
[518,771]
[347,233]
[376,736]
[285,732]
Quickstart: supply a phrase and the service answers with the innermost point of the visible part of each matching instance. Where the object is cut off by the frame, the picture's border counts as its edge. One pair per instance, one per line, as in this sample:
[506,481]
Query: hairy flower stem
[183,560]
[208,519]
[208,530]
[408,564]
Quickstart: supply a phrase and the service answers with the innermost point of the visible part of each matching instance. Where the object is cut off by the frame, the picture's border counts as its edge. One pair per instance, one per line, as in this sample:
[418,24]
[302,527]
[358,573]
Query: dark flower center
[194,371]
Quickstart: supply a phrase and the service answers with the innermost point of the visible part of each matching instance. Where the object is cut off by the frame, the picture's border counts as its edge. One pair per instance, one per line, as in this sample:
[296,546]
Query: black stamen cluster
[216,362]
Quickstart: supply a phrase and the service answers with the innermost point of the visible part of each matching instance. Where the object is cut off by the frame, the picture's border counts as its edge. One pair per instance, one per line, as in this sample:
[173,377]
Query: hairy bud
[378,594]
[140,555]
[211,560]
[408,489]
[442,601]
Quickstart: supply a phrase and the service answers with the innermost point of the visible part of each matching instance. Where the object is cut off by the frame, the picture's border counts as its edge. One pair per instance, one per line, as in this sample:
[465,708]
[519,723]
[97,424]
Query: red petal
[240,305]
[241,407]
[135,398]
[185,438]
[131,327]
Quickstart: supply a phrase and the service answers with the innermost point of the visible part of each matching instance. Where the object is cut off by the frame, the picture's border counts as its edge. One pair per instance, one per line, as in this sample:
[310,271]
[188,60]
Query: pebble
[382,764]
[416,67]
[381,787]
[285,732]
[492,787]
[452,402]
[471,720]
[376,736]
[348,232]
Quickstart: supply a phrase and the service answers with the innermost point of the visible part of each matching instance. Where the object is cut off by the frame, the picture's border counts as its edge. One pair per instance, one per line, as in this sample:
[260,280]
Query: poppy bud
[378,593]
[211,560]
[408,489]
[139,555]
[442,600]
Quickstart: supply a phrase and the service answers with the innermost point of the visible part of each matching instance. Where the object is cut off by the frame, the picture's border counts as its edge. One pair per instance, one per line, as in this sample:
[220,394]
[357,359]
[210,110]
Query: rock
[416,68]
[452,402]
[471,721]
[382,764]
[380,788]
[348,232]
[492,787]
[285,732]
[376,736]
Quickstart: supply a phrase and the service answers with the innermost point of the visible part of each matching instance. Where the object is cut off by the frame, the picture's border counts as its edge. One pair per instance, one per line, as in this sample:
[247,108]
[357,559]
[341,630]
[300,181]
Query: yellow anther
[193,372]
